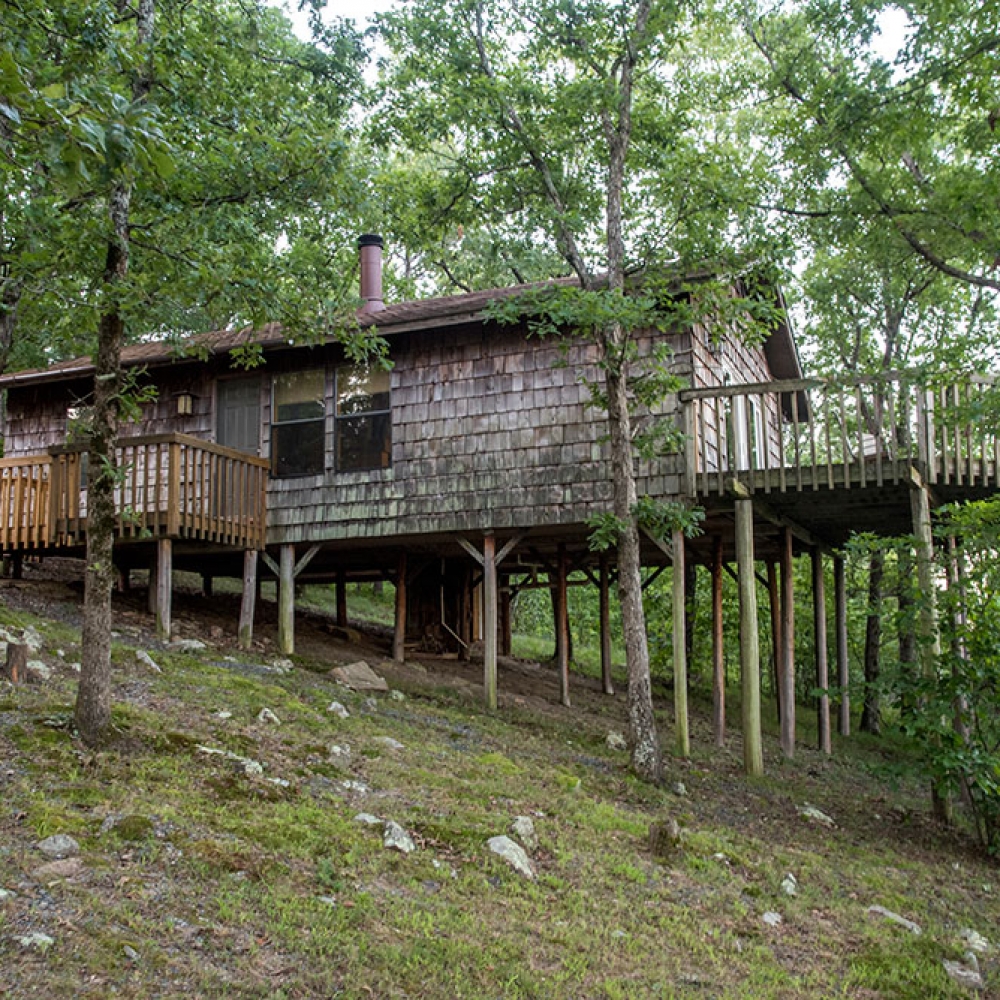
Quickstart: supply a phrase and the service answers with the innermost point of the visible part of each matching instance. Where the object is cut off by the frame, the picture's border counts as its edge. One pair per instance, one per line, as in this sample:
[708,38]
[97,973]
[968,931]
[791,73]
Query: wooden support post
[562,625]
[505,624]
[465,616]
[774,604]
[206,584]
[399,631]
[121,578]
[718,652]
[17,566]
[822,668]
[490,620]
[151,592]
[341,599]
[840,624]
[248,603]
[680,645]
[164,574]
[787,661]
[605,617]
[753,753]
[286,600]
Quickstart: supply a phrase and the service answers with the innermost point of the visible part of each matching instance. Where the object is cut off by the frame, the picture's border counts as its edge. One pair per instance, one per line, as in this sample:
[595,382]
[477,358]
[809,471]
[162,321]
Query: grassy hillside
[202,875]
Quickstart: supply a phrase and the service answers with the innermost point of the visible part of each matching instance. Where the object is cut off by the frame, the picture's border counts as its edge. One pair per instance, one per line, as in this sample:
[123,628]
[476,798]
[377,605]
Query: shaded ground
[242,886]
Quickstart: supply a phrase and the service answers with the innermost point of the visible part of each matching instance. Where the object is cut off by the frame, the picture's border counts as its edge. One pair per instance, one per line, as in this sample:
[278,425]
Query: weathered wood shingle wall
[489,430]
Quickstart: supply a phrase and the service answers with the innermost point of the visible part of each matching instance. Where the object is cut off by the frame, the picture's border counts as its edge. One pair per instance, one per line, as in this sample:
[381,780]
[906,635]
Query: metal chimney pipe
[370,252]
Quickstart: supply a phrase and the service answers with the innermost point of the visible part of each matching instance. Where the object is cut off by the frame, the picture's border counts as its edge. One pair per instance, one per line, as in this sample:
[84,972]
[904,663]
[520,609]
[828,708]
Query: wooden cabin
[466,471]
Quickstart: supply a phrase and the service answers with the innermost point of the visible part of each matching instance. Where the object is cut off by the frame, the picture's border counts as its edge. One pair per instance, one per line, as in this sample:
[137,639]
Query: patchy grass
[201,877]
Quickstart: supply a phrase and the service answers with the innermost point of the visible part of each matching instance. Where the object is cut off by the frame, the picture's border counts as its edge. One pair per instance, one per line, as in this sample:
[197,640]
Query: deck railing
[169,485]
[812,434]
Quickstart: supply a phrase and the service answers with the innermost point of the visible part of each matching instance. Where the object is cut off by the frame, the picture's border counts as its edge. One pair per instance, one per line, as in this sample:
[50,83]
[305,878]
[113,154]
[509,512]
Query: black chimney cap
[370,240]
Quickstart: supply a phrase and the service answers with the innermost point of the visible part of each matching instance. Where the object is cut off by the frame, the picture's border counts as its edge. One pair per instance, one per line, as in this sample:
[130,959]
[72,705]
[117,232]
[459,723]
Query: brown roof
[417,314]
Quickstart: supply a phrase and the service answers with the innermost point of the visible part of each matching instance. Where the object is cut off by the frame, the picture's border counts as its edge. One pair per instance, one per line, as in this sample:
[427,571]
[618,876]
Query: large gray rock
[881,911]
[395,837]
[513,854]
[337,709]
[359,676]
[966,974]
[59,845]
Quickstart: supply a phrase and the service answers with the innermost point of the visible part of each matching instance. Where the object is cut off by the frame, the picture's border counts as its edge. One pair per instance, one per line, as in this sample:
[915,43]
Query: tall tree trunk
[907,630]
[871,713]
[93,700]
[643,739]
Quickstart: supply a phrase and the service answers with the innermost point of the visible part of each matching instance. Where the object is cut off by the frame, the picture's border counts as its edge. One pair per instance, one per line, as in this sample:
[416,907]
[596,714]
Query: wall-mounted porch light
[185,403]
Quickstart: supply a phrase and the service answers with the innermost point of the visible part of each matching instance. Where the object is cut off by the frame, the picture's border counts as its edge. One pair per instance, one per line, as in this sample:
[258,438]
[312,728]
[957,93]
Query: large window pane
[298,424]
[364,442]
[297,449]
[361,391]
[299,396]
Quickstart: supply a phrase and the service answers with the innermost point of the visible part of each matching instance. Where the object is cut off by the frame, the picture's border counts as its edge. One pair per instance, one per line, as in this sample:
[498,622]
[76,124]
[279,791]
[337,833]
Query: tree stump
[16,667]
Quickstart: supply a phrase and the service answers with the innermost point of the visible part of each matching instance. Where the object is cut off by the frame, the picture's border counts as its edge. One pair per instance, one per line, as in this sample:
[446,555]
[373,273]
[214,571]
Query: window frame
[339,419]
[276,424]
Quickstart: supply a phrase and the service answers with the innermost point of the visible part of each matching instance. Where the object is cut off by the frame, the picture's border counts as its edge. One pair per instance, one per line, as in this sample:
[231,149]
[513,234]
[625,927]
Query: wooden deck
[843,456]
[171,486]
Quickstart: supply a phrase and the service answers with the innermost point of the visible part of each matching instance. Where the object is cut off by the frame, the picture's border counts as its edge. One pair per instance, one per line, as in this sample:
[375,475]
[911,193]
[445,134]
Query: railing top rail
[12,463]
[173,438]
[803,384]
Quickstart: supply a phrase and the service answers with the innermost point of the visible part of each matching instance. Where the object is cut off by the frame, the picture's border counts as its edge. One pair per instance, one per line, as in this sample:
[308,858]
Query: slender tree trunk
[93,701]
[643,739]
[871,712]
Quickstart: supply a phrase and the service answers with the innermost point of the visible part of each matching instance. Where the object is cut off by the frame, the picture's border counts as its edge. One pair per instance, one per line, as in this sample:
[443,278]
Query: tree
[180,167]
[567,122]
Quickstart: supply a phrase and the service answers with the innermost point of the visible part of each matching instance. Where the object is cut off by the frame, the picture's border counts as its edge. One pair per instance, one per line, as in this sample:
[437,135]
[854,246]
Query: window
[363,422]
[298,418]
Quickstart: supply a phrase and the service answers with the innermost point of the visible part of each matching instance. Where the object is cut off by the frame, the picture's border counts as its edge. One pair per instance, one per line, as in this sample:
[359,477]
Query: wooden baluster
[877,408]
[945,436]
[844,449]
[798,452]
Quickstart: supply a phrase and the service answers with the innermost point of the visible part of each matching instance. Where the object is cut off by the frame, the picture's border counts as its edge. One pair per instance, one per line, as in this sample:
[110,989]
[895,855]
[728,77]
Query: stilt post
[164,574]
[718,652]
[286,600]
[490,620]
[248,603]
[562,626]
[822,667]
[787,661]
[679,607]
[840,624]
[605,614]
[774,604]
[753,753]
[341,598]
[399,631]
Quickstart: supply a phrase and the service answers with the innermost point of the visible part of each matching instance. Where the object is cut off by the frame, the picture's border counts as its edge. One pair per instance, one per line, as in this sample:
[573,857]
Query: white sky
[360,11]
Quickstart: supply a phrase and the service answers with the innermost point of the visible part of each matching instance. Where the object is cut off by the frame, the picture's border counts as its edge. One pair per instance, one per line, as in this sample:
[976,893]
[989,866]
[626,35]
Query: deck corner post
[605,618]
[843,667]
[164,576]
[690,448]
[753,754]
[248,603]
[679,609]
[490,620]
[286,600]
[787,659]
[399,618]
[822,667]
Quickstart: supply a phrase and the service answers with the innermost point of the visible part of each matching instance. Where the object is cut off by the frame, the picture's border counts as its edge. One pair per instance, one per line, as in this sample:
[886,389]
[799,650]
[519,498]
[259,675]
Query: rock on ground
[266,715]
[513,853]
[814,815]
[615,741]
[359,676]
[337,709]
[59,845]
[524,829]
[394,836]
[966,975]
[772,919]
[881,911]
